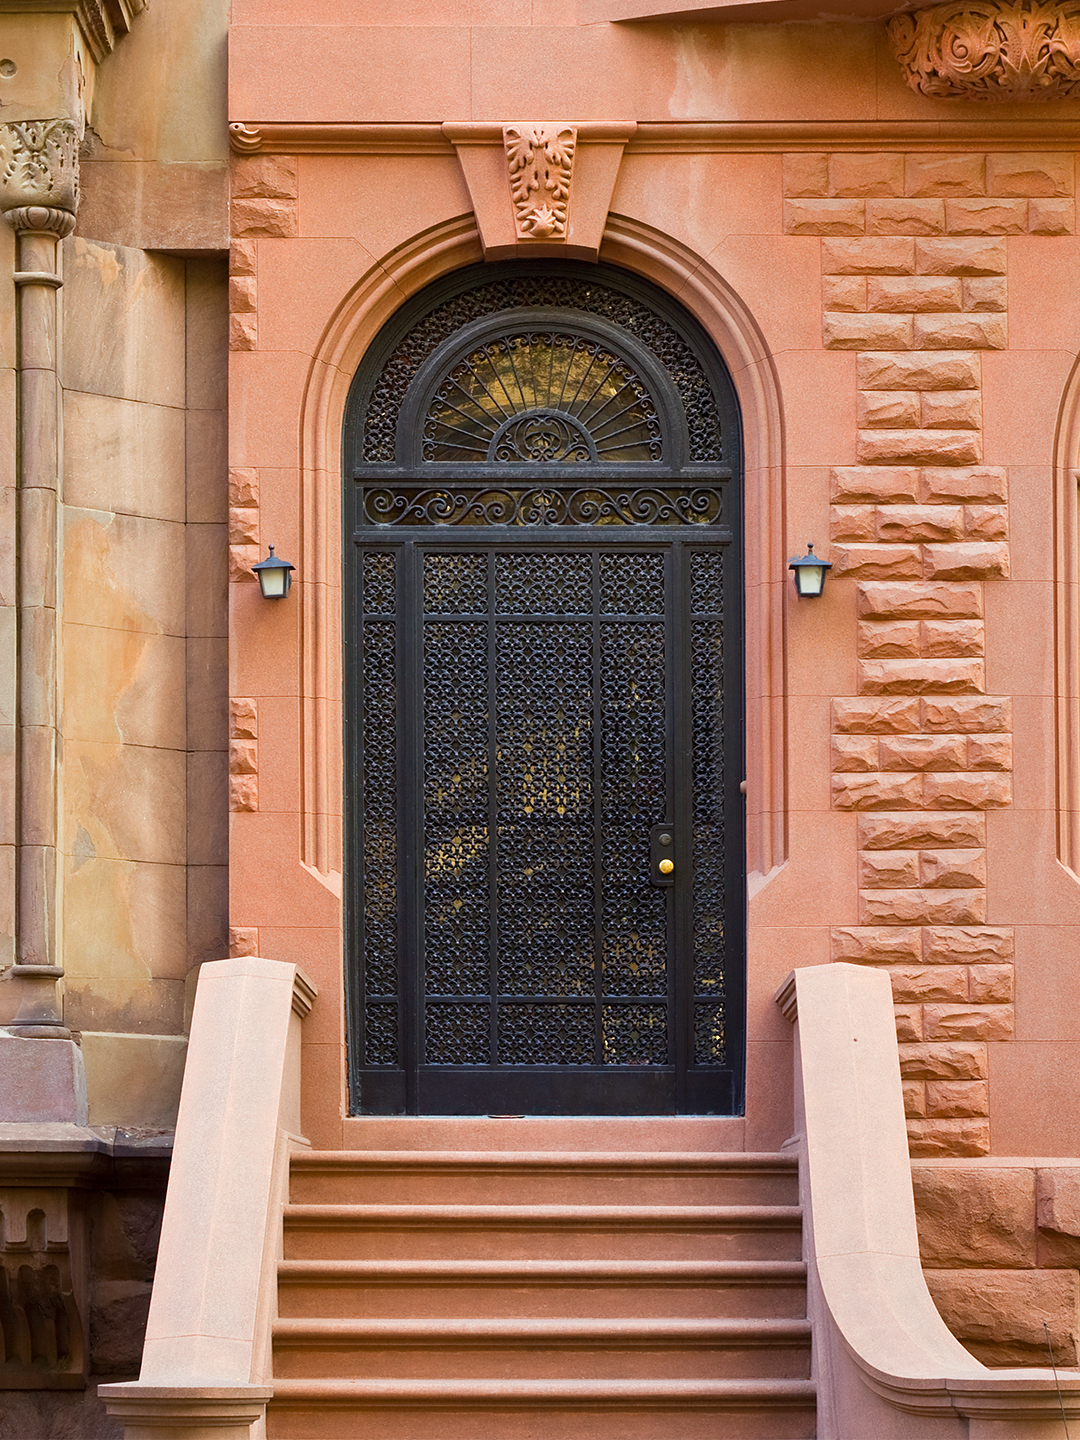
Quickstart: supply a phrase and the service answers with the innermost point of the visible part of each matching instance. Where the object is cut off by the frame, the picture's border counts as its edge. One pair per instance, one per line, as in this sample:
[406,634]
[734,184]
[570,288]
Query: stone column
[38,195]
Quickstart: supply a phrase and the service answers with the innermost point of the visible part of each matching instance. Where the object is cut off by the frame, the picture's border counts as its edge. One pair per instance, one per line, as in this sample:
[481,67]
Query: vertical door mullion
[596,642]
[681,954]
[492,810]
[411,811]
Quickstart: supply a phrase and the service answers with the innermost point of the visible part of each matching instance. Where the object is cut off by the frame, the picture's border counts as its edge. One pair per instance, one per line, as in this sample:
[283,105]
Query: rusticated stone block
[964,715]
[242,293]
[241,559]
[985,790]
[920,522]
[983,483]
[1029,174]
[265,219]
[805,175]
[823,217]
[918,677]
[243,757]
[889,639]
[242,257]
[941,638]
[991,984]
[986,522]
[905,217]
[909,1031]
[873,173]
[920,602]
[970,330]
[877,792]
[1051,217]
[842,331]
[243,487]
[988,292]
[884,945]
[258,177]
[889,869]
[970,560]
[843,292]
[940,1138]
[926,907]
[968,1022]
[922,752]
[999,1314]
[950,410]
[878,485]
[939,982]
[976,1216]
[943,1062]
[243,793]
[243,940]
[877,717]
[876,256]
[243,332]
[878,562]
[984,945]
[854,753]
[243,718]
[918,447]
[888,409]
[919,370]
[959,256]
[1057,1190]
[852,523]
[979,216]
[944,174]
[914,1093]
[989,752]
[952,869]
[952,1099]
[908,293]
[935,830]
[243,526]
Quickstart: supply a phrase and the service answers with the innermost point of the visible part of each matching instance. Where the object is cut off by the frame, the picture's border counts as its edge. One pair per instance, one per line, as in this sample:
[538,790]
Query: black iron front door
[544,713]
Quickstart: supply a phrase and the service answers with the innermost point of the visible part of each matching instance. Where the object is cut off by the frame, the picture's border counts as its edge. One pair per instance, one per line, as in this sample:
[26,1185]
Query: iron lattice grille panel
[378,770]
[541,939]
[709,903]
[542,397]
[383,407]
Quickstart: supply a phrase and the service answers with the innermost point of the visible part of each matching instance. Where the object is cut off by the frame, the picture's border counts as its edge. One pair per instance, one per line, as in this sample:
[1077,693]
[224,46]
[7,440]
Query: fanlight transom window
[542,397]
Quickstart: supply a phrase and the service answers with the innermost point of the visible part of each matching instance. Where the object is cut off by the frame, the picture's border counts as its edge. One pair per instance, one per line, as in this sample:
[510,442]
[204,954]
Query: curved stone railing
[206,1359]
[885,1363]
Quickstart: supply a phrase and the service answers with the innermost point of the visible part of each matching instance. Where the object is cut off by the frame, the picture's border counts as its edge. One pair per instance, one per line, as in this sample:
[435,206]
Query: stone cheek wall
[915,279]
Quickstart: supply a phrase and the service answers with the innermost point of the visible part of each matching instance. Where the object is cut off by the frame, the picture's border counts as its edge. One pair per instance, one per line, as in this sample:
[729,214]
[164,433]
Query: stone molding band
[674,137]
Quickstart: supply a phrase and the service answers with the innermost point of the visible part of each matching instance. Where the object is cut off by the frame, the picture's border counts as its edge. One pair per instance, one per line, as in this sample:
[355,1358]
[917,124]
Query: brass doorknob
[666,867]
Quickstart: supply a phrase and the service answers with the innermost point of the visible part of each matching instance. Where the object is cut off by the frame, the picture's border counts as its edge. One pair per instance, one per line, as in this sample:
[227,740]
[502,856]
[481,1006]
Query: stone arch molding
[451,245]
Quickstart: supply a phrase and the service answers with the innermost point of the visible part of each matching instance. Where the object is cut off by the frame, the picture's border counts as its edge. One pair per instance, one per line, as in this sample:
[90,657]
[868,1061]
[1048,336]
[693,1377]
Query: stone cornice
[102,22]
[1005,50]
[675,137]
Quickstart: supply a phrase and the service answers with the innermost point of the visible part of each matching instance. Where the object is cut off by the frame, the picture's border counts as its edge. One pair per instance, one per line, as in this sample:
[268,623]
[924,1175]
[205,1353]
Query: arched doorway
[544,704]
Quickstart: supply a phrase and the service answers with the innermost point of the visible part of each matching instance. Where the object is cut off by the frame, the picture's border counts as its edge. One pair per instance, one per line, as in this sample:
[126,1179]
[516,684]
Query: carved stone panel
[541,165]
[42,1344]
[991,49]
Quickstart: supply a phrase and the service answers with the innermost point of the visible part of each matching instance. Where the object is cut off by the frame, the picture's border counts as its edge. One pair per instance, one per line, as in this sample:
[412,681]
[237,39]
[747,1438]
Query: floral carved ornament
[541,164]
[991,49]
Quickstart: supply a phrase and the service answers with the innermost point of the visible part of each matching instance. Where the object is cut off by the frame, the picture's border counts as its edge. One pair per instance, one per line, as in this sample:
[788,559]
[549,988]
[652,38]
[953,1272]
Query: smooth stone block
[41,1081]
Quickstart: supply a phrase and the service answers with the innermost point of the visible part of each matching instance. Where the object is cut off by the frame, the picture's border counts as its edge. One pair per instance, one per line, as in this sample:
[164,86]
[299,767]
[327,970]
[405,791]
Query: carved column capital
[39,175]
[991,49]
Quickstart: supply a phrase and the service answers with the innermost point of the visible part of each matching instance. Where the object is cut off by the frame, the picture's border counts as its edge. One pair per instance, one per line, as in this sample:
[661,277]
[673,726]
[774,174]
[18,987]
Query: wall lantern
[809,572]
[275,576]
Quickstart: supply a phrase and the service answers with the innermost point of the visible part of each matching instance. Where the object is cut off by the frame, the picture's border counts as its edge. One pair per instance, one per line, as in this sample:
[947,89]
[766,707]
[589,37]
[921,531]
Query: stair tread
[541,1214]
[416,1389]
[555,1159]
[637,1270]
[528,1329]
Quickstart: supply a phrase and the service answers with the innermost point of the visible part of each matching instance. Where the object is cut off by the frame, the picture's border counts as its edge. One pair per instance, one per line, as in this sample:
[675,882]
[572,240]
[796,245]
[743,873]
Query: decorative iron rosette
[991,49]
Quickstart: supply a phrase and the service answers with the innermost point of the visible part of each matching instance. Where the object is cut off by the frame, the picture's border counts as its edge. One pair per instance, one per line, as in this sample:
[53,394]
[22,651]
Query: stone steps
[476,1292]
